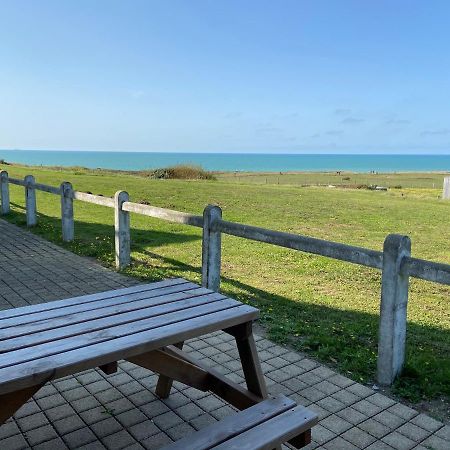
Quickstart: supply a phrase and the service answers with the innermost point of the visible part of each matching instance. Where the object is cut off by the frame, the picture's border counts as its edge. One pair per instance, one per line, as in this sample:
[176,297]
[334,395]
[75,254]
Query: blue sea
[262,162]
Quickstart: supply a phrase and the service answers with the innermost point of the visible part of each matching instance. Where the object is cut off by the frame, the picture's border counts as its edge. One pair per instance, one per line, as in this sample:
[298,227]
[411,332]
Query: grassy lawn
[324,307]
[393,180]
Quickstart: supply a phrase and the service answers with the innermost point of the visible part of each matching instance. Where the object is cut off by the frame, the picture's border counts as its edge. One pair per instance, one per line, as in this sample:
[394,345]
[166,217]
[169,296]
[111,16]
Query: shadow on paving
[344,339]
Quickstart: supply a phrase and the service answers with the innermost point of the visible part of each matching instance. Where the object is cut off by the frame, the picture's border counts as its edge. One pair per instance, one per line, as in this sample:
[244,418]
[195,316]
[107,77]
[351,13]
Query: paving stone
[179,431]
[402,411]
[327,387]
[380,400]
[379,445]
[398,441]
[359,390]
[106,427]
[413,432]
[8,429]
[444,432]
[41,434]
[390,420]
[352,415]
[358,437]
[336,424]
[331,404]
[79,438]
[375,428]
[426,422]
[54,444]
[16,442]
[339,443]
[321,434]
[436,443]
[118,441]
[367,408]
[33,421]
[157,441]
[189,411]
[143,430]
[167,420]
[346,397]
[68,424]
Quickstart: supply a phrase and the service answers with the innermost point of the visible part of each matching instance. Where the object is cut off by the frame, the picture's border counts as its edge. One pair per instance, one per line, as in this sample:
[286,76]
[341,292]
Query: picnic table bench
[144,324]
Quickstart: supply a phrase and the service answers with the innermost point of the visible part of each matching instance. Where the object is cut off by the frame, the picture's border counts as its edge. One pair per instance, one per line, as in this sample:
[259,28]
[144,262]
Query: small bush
[345,178]
[398,186]
[181,172]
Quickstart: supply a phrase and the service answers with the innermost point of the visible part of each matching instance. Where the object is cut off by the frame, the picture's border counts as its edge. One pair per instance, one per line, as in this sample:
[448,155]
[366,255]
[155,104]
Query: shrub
[181,172]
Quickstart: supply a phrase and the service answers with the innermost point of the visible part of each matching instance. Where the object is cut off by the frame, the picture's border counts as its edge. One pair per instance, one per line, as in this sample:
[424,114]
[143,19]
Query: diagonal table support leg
[248,353]
[12,401]
[164,384]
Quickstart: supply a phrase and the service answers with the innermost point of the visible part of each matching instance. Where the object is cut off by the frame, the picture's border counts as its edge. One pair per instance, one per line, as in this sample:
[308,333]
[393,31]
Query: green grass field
[324,307]
[432,180]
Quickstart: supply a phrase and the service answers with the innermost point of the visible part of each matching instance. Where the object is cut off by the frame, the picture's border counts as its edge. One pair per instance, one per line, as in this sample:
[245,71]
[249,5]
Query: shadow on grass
[345,339]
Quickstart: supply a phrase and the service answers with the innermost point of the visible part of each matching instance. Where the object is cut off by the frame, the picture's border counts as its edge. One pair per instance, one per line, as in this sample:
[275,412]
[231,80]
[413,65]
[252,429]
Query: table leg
[13,401]
[248,353]
[164,384]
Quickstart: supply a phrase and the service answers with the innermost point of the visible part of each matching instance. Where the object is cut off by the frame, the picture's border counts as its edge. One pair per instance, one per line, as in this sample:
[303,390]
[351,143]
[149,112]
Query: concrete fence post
[4,192]
[67,222]
[30,201]
[211,248]
[122,230]
[446,189]
[393,309]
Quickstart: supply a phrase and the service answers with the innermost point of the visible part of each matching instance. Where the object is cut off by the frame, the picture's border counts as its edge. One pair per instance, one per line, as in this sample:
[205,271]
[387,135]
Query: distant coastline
[232,162]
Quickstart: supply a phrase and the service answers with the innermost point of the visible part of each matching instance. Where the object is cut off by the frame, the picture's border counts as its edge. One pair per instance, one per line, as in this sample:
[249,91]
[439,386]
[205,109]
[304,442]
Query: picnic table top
[51,340]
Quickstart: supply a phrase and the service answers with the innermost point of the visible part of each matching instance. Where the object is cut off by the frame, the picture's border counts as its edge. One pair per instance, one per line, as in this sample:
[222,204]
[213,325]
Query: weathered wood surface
[52,340]
[91,198]
[262,426]
[335,250]
[164,214]
[270,434]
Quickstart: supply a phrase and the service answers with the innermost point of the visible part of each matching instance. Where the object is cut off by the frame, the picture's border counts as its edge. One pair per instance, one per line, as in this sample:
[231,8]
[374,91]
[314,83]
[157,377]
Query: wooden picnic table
[144,324]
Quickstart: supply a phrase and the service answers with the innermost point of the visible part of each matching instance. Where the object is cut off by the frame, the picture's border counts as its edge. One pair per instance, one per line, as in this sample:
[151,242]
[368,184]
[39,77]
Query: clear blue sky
[223,75]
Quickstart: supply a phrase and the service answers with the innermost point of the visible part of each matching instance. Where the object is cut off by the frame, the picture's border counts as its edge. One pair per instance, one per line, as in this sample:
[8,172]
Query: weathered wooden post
[67,222]
[122,230]
[446,189]
[30,201]
[211,248]
[393,309]
[4,192]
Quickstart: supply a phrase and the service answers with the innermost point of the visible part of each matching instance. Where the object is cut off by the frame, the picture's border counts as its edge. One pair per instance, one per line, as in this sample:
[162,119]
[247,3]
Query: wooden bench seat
[265,425]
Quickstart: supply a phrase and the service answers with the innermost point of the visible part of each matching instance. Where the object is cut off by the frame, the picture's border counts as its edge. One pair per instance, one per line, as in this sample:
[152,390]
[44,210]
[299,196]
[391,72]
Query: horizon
[180,152]
[207,77]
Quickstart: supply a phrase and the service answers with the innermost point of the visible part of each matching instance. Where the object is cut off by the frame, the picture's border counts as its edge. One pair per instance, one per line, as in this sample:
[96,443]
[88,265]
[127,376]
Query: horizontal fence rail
[95,199]
[395,261]
[426,270]
[164,214]
[343,252]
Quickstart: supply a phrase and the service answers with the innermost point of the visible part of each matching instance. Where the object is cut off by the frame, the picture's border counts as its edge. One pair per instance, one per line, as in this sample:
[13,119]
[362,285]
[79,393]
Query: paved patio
[95,411]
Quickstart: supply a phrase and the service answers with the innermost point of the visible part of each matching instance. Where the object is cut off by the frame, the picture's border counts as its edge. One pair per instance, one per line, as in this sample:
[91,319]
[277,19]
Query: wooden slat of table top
[26,310]
[20,376]
[107,309]
[6,323]
[233,425]
[71,328]
[157,316]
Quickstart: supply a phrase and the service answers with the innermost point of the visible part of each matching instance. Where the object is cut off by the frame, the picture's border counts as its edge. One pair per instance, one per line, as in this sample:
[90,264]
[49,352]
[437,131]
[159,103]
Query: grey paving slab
[93,411]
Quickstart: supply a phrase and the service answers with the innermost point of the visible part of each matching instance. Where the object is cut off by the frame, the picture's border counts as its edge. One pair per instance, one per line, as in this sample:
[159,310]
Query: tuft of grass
[180,172]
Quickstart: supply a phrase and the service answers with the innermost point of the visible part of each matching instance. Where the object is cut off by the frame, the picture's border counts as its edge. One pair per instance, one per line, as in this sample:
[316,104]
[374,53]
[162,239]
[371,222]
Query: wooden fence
[394,261]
